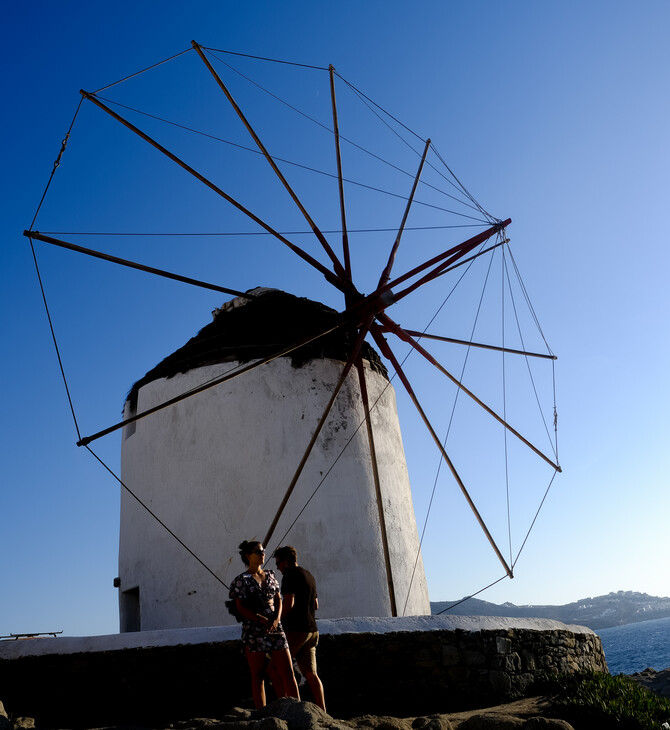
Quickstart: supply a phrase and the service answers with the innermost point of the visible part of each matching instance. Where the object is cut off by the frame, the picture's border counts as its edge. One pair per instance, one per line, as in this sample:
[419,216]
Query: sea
[634,647]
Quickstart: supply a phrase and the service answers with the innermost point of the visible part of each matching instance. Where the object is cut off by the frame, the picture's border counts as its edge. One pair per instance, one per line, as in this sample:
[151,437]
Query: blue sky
[552,114]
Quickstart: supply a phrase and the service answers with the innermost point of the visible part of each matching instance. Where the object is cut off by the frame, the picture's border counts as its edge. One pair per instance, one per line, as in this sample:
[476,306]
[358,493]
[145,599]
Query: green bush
[596,700]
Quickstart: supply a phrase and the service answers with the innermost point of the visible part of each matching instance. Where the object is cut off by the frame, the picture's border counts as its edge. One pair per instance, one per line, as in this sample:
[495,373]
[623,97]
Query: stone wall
[404,673]
[440,671]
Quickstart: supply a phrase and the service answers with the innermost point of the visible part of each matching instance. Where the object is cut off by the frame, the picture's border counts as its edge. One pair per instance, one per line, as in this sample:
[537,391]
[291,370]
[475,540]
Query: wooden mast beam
[340,182]
[391,326]
[359,315]
[441,271]
[326,411]
[331,278]
[378,488]
[383,279]
[339,270]
[470,343]
[37,236]
[455,252]
[209,384]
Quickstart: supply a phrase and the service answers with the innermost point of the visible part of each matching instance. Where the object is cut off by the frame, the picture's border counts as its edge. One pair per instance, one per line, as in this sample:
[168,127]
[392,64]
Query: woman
[258,601]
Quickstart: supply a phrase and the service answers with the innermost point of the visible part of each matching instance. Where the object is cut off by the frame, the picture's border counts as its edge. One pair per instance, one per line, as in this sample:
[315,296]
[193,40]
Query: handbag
[253,603]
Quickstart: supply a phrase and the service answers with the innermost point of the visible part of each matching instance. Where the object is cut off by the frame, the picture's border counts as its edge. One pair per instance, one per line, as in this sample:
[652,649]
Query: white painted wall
[216,466]
[45,645]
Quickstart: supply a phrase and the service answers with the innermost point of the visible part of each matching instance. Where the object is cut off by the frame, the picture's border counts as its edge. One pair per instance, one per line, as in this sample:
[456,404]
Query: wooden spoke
[332,278]
[386,350]
[394,249]
[310,446]
[391,326]
[205,386]
[340,183]
[378,487]
[339,270]
[451,254]
[442,270]
[37,236]
[444,260]
[470,343]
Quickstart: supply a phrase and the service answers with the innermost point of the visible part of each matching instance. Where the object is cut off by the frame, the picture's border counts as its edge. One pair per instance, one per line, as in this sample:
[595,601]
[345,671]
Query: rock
[238,718]
[291,714]
[270,723]
[298,715]
[23,723]
[510,722]
[238,713]
[492,722]
[547,723]
[381,722]
[657,682]
[432,722]
[5,724]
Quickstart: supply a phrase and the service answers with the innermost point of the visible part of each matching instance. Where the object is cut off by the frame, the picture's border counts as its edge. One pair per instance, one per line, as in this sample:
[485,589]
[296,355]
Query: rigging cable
[357,91]
[488,216]
[467,598]
[257,233]
[231,372]
[504,399]
[37,268]
[263,58]
[532,524]
[148,68]
[528,302]
[537,323]
[351,142]
[453,408]
[530,372]
[337,458]
[553,366]
[308,167]
[397,121]
[60,362]
[155,516]
[555,413]
[369,103]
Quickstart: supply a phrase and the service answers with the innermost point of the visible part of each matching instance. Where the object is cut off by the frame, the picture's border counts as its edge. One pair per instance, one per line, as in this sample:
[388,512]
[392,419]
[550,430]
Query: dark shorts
[303,649]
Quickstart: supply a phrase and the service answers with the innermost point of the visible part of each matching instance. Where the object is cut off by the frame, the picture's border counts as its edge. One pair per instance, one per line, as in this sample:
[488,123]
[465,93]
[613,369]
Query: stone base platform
[391,666]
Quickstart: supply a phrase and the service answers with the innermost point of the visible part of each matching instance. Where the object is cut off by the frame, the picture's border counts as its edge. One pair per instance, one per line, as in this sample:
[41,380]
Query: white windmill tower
[214,469]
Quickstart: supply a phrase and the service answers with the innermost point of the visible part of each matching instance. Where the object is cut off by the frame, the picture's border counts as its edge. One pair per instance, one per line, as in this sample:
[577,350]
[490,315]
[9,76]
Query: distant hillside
[601,612]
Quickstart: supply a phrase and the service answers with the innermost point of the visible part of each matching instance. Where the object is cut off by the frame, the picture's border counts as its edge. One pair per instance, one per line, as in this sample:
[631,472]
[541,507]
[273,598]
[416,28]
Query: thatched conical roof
[248,329]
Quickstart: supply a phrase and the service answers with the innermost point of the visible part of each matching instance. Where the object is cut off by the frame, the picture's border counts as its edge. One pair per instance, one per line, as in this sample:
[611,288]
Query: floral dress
[255,636]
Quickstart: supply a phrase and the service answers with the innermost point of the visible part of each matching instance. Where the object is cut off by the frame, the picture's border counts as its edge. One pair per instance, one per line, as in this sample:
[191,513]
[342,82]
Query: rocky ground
[657,682]
[531,713]
[290,714]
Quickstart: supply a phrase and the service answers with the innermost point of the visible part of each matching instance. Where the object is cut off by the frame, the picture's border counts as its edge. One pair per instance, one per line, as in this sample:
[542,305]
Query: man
[299,603]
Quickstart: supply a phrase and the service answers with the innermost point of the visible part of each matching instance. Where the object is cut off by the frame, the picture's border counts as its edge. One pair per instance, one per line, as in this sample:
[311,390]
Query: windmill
[361,318]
